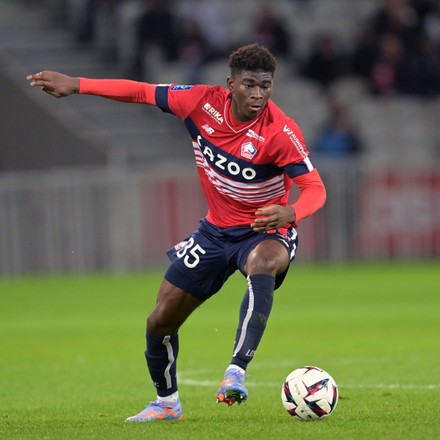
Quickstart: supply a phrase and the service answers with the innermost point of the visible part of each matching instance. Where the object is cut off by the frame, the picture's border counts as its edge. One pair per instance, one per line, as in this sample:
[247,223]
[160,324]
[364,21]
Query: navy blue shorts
[202,263]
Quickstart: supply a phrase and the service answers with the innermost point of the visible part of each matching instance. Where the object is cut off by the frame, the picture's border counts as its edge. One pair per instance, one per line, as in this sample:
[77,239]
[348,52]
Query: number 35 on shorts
[190,253]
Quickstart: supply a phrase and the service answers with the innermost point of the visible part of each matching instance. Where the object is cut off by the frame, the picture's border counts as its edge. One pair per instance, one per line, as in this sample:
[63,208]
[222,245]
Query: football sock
[172,398]
[235,367]
[254,313]
[161,356]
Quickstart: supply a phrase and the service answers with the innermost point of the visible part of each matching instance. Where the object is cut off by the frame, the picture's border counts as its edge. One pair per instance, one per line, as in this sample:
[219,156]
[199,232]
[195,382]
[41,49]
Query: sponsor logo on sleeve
[181,87]
[293,137]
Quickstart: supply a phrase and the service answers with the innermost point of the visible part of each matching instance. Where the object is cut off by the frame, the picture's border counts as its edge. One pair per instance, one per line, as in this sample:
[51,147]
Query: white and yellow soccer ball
[309,393]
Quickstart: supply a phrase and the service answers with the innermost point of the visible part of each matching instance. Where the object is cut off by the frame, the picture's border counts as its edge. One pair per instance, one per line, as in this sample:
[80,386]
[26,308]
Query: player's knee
[264,265]
[262,261]
[159,324]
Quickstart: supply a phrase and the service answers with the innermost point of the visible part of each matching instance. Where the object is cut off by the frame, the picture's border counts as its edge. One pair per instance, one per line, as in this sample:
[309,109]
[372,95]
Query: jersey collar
[234,125]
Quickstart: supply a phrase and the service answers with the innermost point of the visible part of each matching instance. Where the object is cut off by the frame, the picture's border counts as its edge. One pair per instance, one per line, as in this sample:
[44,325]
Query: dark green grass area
[72,365]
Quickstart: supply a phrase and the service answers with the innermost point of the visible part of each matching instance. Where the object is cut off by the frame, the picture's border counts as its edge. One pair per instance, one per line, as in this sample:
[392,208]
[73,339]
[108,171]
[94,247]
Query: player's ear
[230,83]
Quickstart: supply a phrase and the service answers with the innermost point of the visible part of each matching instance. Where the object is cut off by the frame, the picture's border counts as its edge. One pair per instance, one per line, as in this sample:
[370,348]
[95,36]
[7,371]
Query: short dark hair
[252,57]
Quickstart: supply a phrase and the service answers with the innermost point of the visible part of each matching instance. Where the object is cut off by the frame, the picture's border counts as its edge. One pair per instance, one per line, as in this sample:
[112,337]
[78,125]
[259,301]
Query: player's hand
[54,83]
[273,217]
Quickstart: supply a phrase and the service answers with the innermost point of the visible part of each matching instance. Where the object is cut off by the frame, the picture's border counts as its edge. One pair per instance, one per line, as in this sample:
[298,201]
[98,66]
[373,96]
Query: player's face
[250,93]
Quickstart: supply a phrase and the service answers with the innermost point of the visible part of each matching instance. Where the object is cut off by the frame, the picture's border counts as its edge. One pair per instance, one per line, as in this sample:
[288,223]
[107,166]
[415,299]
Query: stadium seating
[389,127]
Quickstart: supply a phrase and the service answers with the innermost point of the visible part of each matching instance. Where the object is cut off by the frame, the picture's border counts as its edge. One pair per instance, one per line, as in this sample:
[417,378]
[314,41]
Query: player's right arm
[61,85]
[176,99]
[54,83]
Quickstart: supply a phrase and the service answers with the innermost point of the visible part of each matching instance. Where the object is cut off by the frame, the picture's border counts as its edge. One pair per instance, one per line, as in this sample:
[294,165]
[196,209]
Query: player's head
[252,68]
[252,57]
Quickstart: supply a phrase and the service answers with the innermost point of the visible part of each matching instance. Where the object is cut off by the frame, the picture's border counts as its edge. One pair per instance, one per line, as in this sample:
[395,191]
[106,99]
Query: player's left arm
[311,199]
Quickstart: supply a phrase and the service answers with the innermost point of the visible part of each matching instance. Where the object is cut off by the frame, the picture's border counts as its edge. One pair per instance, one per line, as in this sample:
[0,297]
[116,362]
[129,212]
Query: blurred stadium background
[93,185]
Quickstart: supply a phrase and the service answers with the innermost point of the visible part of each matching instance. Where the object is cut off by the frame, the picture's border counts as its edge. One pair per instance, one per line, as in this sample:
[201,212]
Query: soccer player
[248,153]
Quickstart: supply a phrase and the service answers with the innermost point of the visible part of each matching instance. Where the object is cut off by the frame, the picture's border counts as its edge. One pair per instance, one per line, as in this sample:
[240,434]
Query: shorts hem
[180,280]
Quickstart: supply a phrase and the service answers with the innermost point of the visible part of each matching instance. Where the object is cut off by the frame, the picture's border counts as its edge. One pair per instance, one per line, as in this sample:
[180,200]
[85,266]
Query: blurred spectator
[337,138]
[326,62]
[394,23]
[193,51]
[209,17]
[364,52]
[431,24]
[397,17]
[126,17]
[421,72]
[270,31]
[386,73]
[156,33]
[84,23]
[84,16]
[424,9]
[396,49]
[338,141]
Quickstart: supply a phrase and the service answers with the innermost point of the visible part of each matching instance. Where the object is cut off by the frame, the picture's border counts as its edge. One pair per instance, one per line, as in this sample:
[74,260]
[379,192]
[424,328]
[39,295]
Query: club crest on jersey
[248,150]
[181,87]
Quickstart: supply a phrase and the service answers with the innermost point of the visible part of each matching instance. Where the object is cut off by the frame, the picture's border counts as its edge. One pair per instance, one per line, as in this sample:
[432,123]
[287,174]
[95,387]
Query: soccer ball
[309,393]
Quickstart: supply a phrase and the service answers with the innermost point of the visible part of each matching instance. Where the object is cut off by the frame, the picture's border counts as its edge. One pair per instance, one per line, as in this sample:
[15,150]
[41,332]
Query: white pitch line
[379,386]
[392,386]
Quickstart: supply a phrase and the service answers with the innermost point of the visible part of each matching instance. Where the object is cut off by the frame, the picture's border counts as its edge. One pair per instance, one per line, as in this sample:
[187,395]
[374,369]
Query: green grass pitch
[72,365]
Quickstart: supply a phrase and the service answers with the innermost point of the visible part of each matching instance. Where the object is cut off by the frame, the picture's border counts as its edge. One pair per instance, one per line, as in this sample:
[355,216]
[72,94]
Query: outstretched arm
[60,85]
[54,83]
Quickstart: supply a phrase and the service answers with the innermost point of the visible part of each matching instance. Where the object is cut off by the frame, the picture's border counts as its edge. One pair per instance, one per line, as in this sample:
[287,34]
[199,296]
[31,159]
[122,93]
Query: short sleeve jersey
[242,165]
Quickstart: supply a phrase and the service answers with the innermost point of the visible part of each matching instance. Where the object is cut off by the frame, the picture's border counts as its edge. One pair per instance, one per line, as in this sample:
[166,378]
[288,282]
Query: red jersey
[242,165]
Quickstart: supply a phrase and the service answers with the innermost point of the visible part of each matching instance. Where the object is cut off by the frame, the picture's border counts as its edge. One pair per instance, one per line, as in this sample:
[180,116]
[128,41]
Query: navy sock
[254,313]
[161,356]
